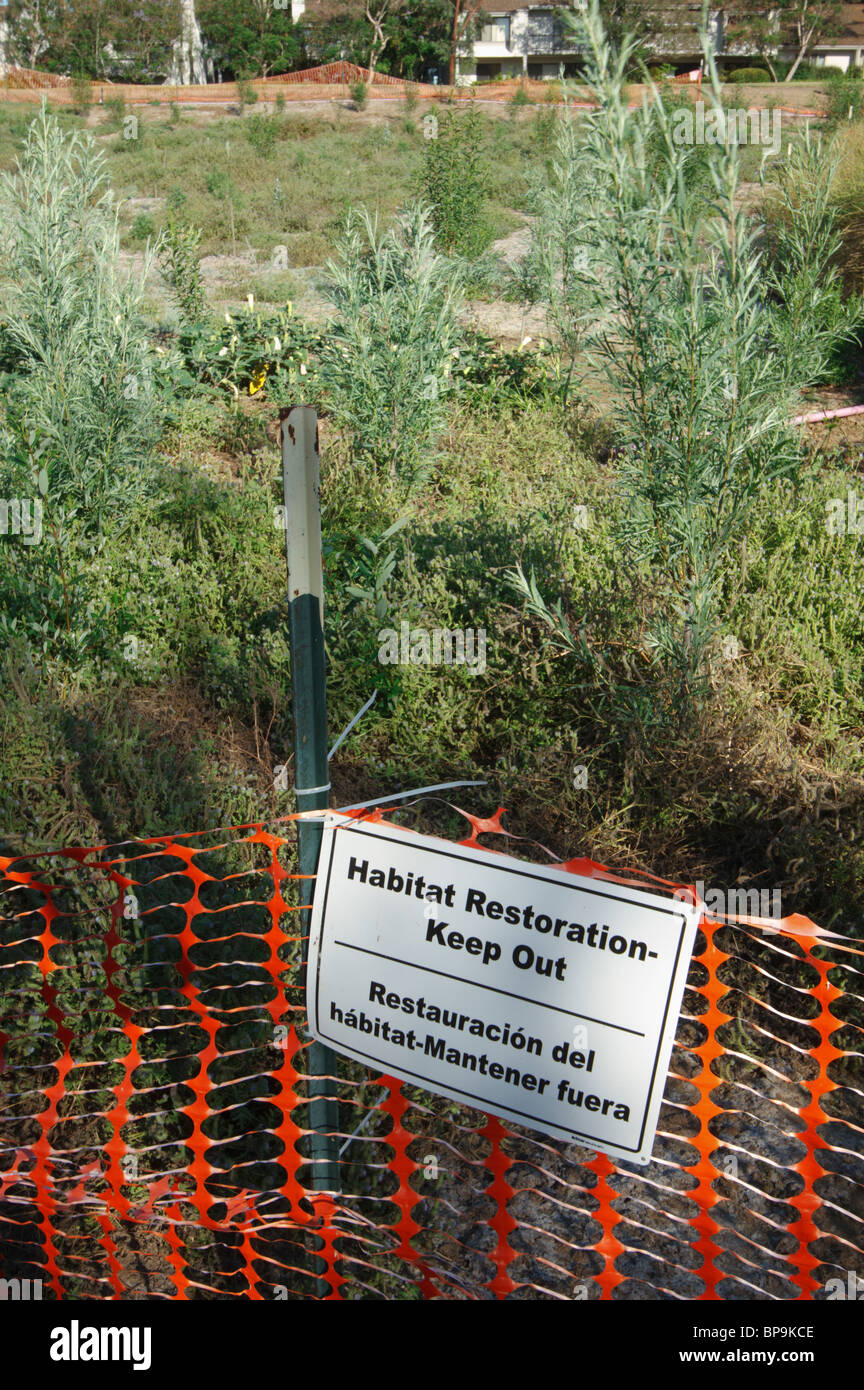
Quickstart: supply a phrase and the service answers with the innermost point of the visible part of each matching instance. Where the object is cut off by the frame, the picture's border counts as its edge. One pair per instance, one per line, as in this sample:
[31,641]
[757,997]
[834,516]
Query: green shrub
[455,181]
[85,404]
[488,376]
[845,100]
[250,351]
[805,72]
[116,108]
[545,125]
[86,379]
[261,132]
[358,95]
[663,293]
[246,92]
[388,357]
[180,265]
[82,94]
[754,75]
[218,183]
[143,227]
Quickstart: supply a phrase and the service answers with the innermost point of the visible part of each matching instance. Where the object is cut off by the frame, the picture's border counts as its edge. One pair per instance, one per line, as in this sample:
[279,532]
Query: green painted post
[302,493]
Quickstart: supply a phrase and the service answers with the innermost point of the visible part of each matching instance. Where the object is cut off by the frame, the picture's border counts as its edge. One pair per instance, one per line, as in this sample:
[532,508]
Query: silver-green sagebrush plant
[811,322]
[82,402]
[386,366]
[85,373]
[661,284]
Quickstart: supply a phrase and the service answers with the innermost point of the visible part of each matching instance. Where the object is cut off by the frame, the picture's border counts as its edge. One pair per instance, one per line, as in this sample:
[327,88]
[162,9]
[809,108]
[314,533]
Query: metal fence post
[301,487]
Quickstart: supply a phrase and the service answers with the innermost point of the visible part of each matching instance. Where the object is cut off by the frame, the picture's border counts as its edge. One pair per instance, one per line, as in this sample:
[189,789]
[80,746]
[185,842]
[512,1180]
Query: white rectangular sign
[541,996]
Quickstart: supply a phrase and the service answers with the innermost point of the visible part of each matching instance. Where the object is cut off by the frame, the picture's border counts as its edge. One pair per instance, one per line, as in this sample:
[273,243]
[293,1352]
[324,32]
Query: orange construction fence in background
[153,1102]
[327,82]
[28,79]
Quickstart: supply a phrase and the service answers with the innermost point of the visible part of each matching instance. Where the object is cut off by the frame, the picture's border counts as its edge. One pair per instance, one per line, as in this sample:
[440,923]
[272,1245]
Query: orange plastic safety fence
[154,1094]
[30,80]
[342,71]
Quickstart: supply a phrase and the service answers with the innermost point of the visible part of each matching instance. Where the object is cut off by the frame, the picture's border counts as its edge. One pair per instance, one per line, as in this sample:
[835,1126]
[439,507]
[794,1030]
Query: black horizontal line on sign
[493,989]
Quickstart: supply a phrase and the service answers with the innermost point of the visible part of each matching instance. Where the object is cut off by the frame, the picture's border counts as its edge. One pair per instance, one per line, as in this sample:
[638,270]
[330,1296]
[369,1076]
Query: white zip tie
[348,727]
[397,796]
[311,791]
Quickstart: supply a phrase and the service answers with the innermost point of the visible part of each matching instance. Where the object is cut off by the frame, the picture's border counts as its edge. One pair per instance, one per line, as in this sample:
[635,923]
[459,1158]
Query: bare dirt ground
[227,277]
[500,318]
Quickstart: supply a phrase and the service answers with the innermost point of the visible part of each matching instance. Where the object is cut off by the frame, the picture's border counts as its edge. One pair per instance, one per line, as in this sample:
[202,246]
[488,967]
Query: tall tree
[250,40]
[26,38]
[378,12]
[624,19]
[465,17]
[754,31]
[421,38]
[126,39]
[796,24]
[811,21]
[356,30]
[189,65]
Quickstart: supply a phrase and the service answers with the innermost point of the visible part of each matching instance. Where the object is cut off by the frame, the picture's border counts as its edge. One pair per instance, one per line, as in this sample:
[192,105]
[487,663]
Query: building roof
[852,20]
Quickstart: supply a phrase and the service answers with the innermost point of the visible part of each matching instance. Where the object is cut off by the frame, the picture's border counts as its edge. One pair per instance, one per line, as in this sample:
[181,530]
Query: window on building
[498,31]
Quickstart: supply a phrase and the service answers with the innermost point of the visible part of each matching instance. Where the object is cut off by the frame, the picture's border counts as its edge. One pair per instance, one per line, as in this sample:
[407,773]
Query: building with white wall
[533,41]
